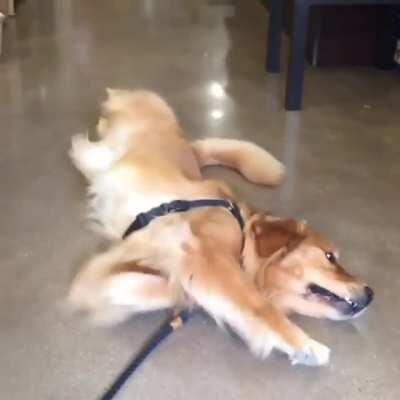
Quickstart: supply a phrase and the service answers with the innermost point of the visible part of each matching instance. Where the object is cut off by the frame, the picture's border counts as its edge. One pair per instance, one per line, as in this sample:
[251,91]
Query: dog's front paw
[313,354]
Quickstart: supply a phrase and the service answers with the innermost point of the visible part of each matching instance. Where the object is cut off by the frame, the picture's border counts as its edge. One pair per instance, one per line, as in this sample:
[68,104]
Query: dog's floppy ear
[112,92]
[271,234]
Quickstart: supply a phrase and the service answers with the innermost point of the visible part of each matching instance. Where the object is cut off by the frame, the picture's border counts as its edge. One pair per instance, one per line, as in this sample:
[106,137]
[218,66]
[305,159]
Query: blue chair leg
[272,62]
[294,82]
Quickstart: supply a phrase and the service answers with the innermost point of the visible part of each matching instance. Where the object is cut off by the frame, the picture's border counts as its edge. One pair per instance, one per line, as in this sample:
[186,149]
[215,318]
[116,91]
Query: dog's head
[124,111]
[301,269]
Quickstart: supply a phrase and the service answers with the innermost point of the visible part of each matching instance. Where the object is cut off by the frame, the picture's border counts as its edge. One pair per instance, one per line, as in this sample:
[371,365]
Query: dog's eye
[330,257]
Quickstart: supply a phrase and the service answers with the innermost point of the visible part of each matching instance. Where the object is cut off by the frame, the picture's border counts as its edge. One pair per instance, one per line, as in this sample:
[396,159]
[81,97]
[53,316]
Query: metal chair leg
[272,62]
[294,82]
[2,18]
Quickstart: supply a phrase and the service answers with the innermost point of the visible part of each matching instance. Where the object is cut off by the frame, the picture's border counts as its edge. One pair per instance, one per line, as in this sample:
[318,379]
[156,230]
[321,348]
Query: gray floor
[206,57]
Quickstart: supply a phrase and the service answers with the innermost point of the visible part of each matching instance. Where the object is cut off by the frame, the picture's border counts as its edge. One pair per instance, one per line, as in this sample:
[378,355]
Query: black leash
[168,327]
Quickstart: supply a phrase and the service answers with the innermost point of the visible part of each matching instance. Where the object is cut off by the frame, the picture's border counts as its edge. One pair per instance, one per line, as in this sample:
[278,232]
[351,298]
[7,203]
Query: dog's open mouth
[345,305]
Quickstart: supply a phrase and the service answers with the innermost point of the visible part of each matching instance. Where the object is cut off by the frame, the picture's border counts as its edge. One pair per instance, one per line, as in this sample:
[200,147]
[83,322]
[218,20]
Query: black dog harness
[143,219]
[175,320]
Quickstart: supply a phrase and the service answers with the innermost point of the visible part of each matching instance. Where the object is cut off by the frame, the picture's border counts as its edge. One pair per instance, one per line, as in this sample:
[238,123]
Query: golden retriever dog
[249,279]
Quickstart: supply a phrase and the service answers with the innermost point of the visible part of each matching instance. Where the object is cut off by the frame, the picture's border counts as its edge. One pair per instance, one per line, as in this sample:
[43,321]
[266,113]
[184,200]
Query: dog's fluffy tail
[252,161]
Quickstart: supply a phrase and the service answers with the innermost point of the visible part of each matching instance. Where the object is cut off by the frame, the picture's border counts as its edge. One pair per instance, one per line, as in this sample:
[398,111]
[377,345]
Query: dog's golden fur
[143,160]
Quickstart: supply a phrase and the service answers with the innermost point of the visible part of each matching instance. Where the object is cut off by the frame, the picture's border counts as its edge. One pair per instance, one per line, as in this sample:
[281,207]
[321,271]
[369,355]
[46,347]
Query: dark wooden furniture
[301,9]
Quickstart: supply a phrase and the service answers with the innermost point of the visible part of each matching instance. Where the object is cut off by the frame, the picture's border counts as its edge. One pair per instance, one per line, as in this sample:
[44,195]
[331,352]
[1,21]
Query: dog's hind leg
[252,161]
[224,292]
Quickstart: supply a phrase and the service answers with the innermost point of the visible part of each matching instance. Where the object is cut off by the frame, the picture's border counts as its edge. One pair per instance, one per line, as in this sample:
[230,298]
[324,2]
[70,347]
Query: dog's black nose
[369,295]
[363,300]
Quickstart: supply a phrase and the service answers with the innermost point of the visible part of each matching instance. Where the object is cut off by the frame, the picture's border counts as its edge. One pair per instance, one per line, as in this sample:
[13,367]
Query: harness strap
[143,219]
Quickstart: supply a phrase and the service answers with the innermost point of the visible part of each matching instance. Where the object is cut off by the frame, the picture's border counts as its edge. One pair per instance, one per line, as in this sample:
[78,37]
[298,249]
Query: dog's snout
[368,295]
[362,301]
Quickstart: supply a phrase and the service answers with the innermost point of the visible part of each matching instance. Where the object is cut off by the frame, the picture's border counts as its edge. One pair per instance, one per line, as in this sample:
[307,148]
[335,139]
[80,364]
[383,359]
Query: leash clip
[231,206]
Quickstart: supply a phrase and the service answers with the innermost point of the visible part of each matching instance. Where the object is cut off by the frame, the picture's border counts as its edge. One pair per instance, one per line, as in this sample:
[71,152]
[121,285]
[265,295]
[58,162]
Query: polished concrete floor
[206,57]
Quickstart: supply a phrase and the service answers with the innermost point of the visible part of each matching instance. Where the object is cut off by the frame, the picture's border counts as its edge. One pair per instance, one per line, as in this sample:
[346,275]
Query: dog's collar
[143,219]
